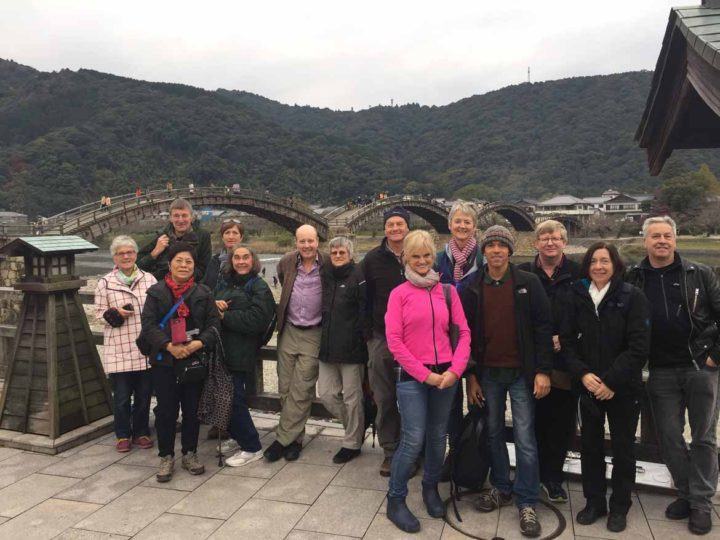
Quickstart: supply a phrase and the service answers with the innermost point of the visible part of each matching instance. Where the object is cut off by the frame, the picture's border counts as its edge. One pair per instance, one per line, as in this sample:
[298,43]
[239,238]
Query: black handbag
[454,330]
[192,370]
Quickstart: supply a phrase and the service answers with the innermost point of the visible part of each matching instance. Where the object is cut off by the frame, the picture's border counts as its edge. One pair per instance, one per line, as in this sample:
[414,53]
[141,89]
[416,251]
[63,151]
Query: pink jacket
[414,318]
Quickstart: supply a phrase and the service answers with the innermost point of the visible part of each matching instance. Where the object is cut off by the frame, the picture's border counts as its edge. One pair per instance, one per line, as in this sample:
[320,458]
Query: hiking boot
[678,509]
[143,441]
[191,463]
[529,524]
[243,458]
[401,516]
[274,452]
[493,499]
[165,472]
[346,454]
[590,514]
[616,522]
[123,445]
[292,451]
[555,492]
[386,466]
[700,521]
[433,503]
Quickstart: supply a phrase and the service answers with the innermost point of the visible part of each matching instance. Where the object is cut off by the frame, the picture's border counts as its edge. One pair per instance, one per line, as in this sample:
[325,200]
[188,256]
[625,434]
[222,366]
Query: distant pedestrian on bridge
[153,256]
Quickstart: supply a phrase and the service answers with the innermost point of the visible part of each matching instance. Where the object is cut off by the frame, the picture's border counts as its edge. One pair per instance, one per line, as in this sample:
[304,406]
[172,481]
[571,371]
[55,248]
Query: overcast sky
[338,54]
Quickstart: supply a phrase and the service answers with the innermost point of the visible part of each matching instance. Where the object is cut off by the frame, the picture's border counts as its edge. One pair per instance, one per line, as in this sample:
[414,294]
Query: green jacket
[197,238]
[243,324]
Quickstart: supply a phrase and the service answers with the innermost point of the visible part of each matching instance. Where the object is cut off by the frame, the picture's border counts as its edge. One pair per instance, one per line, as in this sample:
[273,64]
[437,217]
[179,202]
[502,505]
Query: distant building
[611,202]
[12,218]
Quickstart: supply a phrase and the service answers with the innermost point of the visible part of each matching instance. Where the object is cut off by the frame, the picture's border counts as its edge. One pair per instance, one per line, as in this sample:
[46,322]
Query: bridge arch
[518,217]
[435,213]
[89,221]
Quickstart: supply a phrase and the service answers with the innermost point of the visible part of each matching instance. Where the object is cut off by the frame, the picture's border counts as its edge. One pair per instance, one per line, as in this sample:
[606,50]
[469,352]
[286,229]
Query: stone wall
[11,269]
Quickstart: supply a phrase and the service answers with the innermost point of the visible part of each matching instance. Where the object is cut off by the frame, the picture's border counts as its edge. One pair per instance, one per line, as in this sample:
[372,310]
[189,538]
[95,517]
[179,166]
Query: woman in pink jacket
[417,327]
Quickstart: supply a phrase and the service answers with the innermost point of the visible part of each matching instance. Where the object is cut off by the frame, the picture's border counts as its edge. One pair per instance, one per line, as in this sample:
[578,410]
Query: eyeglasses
[232,220]
[551,240]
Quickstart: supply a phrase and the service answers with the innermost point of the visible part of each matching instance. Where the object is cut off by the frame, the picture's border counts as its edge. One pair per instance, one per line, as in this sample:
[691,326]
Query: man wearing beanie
[509,317]
[383,270]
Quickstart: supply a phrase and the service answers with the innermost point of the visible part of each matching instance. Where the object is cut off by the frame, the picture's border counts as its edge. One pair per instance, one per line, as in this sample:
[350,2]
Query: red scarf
[460,256]
[178,289]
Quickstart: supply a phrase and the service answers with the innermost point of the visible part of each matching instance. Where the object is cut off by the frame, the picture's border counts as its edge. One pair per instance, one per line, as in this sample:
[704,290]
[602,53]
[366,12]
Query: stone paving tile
[266,424]
[330,513]
[451,534]
[654,504]
[663,529]
[320,451]
[23,464]
[80,534]
[269,520]
[474,522]
[219,497]
[30,491]
[183,480]
[333,432]
[46,520]
[383,529]
[8,452]
[176,527]
[297,534]
[75,449]
[3,520]
[85,463]
[132,511]
[108,484]
[107,440]
[363,471]
[637,525]
[298,482]
[138,456]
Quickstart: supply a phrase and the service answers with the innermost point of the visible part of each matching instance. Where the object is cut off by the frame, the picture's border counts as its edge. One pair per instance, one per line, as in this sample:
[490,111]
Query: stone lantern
[55,386]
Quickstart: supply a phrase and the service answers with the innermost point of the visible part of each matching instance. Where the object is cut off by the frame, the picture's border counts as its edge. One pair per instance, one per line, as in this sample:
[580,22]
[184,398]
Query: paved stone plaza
[93,492]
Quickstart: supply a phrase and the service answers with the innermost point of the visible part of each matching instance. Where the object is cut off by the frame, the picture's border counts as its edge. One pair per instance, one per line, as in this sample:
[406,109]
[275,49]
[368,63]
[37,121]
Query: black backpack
[470,459]
[270,329]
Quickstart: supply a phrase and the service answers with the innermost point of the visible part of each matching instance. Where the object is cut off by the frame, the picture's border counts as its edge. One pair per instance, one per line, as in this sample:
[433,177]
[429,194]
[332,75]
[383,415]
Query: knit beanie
[397,211]
[497,233]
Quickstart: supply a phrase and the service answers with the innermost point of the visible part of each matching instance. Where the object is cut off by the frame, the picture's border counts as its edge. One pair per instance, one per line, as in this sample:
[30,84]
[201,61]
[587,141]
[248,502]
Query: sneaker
[345,454]
[700,521]
[123,445]
[143,441]
[274,452]
[493,499]
[529,524]
[191,463]
[555,492]
[678,509]
[165,472]
[386,466]
[229,447]
[243,458]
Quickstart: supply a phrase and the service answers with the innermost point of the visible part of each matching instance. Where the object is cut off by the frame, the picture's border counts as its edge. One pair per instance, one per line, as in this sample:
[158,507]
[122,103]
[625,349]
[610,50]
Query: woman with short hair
[246,307]
[119,299]
[231,234]
[417,324]
[191,325]
[606,340]
[343,353]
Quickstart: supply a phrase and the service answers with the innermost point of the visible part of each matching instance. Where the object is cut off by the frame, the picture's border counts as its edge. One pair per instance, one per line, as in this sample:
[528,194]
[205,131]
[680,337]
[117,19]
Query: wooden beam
[76,360]
[31,363]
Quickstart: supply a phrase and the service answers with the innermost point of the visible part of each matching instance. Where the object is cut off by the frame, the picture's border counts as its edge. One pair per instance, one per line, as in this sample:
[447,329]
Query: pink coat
[120,353]
[417,325]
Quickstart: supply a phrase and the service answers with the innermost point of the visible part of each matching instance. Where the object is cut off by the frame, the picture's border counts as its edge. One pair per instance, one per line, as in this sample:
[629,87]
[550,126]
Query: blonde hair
[551,226]
[417,240]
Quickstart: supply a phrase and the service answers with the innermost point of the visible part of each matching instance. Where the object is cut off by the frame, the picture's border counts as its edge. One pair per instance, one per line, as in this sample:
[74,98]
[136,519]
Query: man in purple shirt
[299,330]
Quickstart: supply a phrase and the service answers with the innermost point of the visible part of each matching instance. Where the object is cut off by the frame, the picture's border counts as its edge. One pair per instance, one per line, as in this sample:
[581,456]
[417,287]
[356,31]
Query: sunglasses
[232,220]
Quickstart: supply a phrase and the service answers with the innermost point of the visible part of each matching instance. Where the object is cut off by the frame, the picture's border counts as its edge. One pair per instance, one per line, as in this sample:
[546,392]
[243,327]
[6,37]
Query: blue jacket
[444,264]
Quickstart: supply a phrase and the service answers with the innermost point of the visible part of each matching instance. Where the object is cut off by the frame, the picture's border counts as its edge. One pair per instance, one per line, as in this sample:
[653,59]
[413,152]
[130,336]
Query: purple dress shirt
[305,305]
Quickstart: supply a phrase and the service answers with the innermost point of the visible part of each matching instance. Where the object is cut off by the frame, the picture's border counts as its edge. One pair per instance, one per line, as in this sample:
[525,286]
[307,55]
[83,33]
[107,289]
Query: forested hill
[67,137]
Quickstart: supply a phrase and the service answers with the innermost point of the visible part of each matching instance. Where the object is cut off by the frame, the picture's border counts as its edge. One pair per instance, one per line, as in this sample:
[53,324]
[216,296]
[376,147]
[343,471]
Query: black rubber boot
[401,516]
[433,502]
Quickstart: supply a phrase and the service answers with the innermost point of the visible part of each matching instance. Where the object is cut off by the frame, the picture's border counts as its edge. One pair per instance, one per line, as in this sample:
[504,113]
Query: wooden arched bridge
[91,221]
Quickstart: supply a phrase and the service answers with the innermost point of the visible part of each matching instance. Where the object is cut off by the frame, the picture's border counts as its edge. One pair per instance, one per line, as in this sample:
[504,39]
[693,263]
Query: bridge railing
[384,202]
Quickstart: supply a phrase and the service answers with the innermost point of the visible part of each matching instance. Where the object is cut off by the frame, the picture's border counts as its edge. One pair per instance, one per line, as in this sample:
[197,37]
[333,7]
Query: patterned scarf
[428,281]
[460,256]
[177,290]
[124,278]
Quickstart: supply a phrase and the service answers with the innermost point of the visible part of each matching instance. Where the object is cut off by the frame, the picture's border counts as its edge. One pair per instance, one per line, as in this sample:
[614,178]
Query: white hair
[122,241]
[342,241]
[659,219]
[464,208]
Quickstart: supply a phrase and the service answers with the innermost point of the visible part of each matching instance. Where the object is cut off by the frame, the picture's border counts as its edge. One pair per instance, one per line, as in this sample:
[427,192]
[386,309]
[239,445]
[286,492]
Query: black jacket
[343,305]
[704,311]
[212,273]
[203,315]
[614,342]
[383,272]
[558,291]
[532,317]
[244,323]
[197,238]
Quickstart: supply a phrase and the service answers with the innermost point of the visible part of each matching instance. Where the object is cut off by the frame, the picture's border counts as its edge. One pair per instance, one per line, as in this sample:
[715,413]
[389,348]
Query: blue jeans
[527,474]
[242,428]
[131,420]
[424,412]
